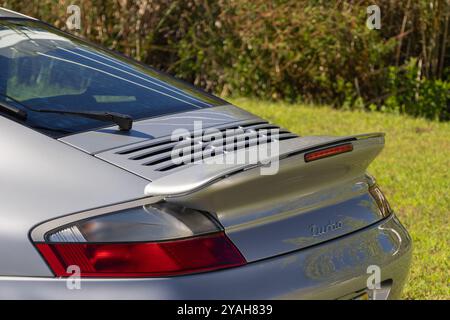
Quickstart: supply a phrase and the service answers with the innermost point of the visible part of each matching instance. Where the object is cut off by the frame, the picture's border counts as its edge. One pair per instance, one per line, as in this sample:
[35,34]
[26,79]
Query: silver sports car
[121,182]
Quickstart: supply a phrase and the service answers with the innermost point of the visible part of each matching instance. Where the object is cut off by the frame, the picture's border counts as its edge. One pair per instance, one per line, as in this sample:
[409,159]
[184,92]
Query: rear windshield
[44,68]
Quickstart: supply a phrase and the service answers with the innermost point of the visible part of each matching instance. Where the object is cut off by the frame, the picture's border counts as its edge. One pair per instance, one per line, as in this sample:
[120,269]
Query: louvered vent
[158,153]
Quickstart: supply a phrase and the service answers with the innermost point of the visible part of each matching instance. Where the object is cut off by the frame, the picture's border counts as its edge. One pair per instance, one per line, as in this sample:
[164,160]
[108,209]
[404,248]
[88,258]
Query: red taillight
[328,152]
[143,259]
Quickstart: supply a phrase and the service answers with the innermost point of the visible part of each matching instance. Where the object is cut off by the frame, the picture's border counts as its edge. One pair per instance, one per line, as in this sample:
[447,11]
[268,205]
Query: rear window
[44,68]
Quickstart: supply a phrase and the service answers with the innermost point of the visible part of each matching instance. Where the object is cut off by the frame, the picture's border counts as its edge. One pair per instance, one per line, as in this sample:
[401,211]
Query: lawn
[413,170]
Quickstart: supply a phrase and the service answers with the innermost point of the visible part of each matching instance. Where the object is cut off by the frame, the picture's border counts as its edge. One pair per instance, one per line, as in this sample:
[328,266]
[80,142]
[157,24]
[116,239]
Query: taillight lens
[328,152]
[151,241]
[152,259]
[381,200]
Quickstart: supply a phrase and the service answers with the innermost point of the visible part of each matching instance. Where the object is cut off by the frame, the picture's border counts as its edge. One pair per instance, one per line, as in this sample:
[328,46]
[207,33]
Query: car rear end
[332,270]
[320,228]
[91,212]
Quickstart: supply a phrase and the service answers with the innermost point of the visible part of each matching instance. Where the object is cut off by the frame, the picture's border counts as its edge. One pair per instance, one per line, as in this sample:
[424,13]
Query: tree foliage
[309,50]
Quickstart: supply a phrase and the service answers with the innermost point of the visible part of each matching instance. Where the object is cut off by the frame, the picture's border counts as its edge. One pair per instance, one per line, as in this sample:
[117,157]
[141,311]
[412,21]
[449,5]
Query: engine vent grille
[199,145]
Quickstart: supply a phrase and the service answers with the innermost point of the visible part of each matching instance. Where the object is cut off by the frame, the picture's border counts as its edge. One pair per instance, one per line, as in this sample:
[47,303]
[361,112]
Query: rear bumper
[332,270]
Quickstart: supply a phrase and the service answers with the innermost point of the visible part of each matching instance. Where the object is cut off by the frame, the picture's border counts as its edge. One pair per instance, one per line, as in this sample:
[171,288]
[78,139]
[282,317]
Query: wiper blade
[125,122]
[13,111]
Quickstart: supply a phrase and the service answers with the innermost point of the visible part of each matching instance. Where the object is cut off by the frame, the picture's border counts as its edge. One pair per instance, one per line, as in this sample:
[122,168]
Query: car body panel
[281,209]
[335,269]
[41,179]
[285,211]
[104,139]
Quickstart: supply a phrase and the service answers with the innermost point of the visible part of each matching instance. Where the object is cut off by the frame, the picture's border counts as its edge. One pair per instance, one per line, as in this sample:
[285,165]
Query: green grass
[413,170]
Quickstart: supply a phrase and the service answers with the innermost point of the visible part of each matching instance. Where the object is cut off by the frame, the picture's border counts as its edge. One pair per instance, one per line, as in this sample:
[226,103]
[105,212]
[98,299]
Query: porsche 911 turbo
[121,182]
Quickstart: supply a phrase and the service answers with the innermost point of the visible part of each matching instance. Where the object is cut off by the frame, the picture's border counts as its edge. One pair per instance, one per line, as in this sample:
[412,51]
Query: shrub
[412,94]
[307,50]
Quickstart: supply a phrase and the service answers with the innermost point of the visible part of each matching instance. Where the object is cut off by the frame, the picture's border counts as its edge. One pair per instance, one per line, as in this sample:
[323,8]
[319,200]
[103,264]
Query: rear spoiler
[199,176]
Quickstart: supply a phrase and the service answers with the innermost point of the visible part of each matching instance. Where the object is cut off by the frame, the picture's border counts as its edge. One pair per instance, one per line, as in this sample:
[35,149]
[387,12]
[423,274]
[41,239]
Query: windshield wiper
[125,122]
[13,111]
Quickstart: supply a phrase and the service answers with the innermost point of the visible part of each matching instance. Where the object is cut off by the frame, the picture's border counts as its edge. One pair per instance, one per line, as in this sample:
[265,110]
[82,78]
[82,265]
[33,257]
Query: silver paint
[41,179]
[45,183]
[314,273]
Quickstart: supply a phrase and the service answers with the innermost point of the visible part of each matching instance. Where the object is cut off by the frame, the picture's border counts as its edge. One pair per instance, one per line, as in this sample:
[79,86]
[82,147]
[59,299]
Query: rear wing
[352,155]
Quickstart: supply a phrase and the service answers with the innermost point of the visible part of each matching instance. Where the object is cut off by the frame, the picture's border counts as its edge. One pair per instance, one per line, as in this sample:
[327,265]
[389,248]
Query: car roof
[6,13]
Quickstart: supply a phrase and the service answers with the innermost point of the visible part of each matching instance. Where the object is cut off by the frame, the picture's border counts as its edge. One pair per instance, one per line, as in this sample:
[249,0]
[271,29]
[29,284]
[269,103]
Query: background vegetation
[295,50]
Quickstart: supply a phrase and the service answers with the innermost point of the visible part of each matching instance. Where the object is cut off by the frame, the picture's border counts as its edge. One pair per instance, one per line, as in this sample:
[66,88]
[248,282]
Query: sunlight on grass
[413,170]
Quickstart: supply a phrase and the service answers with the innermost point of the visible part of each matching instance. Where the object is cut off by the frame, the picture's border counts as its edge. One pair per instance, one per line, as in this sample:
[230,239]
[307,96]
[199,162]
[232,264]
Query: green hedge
[294,50]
